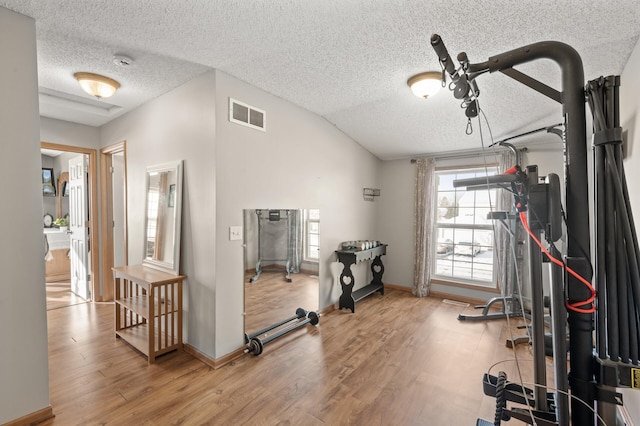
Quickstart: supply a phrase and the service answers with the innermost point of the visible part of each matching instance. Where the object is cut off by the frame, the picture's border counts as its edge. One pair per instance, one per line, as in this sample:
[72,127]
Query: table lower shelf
[365,291]
[348,300]
[138,337]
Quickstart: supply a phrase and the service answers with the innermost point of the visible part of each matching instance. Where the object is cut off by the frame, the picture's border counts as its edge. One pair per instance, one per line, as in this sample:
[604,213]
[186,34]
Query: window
[312,234]
[463,234]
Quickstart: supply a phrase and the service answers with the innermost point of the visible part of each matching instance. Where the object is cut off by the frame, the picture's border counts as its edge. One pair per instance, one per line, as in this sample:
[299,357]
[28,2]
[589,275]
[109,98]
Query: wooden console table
[349,297]
[148,309]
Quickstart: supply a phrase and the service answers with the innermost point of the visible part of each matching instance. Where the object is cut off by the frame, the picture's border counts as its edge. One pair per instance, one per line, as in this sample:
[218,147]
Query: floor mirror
[280,265]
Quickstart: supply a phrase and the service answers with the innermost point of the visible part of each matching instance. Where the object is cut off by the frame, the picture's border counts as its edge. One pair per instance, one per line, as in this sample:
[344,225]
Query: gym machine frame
[542,204]
[591,378]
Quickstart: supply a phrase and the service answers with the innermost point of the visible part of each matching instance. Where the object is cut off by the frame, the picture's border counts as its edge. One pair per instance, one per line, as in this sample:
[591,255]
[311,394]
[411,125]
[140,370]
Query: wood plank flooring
[59,295]
[272,299]
[399,360]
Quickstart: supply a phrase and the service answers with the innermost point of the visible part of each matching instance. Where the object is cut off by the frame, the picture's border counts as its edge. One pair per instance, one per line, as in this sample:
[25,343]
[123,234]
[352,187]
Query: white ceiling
[346,60]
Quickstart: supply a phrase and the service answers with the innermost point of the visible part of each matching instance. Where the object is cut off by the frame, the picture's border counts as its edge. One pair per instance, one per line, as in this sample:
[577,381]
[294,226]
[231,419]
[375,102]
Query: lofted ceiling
[345,60]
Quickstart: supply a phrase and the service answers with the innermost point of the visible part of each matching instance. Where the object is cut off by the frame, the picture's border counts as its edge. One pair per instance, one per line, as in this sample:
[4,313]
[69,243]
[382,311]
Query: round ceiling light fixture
[97,85]
[425,84]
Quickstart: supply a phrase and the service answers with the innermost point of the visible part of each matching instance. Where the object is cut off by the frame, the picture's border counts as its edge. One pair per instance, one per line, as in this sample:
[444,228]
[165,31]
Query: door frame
[106,210]
[93,210]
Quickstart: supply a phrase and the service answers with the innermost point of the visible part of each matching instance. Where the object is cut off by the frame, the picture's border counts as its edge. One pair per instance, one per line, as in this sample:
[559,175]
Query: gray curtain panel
[424,214]
[296,238]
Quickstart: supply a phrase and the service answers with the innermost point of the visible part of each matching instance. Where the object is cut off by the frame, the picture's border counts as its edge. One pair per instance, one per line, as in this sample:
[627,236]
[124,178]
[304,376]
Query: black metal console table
[349,297]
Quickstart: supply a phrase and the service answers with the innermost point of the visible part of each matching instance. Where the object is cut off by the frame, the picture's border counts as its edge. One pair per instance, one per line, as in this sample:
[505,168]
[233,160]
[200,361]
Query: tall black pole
[576,209]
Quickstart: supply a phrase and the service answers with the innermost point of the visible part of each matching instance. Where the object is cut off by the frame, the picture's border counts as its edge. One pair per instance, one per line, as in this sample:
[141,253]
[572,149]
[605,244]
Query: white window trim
[305,253]
[490,285]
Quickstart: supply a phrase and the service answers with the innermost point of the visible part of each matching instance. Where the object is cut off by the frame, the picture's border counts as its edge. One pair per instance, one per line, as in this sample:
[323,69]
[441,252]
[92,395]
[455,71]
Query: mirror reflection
[163,208]
[280,265]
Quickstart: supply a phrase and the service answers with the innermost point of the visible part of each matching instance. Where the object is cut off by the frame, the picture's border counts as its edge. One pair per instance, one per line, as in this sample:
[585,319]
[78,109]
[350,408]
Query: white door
[78,226]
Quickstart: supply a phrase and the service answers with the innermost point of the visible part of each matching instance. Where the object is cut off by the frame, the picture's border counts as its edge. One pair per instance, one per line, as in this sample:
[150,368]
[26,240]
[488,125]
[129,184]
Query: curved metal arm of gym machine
[573,108]
[485,181]
[513,149]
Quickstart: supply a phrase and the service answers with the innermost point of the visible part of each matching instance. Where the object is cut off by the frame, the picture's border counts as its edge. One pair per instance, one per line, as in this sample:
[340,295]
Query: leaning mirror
[163,217]
[280,267]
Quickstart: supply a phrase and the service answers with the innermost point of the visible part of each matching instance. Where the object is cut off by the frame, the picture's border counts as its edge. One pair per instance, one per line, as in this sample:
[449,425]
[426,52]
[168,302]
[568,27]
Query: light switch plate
[235,233]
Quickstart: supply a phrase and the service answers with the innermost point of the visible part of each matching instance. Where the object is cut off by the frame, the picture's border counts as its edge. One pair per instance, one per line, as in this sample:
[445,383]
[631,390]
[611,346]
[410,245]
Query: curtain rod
[452,155]
[475,153]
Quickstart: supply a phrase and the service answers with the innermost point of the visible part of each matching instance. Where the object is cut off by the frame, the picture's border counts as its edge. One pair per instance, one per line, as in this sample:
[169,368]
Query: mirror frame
[174,265]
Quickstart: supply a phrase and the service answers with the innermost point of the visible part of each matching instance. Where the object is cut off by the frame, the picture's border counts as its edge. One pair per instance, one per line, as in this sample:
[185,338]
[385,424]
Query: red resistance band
[575,306]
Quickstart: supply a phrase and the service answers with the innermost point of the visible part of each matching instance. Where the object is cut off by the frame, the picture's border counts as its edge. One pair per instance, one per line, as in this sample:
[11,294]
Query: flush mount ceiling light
[425,84]
[97,85]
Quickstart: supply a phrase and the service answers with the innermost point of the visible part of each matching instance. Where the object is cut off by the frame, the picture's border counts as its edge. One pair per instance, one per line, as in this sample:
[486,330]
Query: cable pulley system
[612,296]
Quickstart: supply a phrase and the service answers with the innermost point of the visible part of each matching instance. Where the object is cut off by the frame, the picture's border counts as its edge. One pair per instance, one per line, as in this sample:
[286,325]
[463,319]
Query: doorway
[113,201]
[92,204]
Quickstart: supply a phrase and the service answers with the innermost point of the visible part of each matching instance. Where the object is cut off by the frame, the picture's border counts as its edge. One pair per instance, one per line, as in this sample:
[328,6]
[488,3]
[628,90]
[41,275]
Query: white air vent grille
[249,116]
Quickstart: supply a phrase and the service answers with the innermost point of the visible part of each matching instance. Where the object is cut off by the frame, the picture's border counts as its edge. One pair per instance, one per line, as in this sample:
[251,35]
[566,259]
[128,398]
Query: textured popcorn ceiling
[346,60]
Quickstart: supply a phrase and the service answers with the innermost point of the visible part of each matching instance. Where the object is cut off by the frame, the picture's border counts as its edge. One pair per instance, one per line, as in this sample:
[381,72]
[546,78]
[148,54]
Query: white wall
[396,225]
[119,214]
[179,125]
[24,374]
[67,133]
[301,161]
[630,122]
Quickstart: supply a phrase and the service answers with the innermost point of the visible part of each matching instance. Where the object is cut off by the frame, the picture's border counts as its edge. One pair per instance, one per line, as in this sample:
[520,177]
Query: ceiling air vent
[247,115]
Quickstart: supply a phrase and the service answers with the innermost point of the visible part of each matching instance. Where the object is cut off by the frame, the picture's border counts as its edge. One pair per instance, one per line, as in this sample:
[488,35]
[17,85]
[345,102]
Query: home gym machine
[594,372]
[255,343]
[511,301]
[274,241]
[538,207]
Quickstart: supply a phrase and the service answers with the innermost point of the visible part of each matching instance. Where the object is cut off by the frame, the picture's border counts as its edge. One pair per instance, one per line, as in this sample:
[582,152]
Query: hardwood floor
[59,295]
[399,360]
[272,299]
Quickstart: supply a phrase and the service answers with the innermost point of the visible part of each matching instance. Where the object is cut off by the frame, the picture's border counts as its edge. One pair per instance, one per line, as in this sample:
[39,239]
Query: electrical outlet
[235,233]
